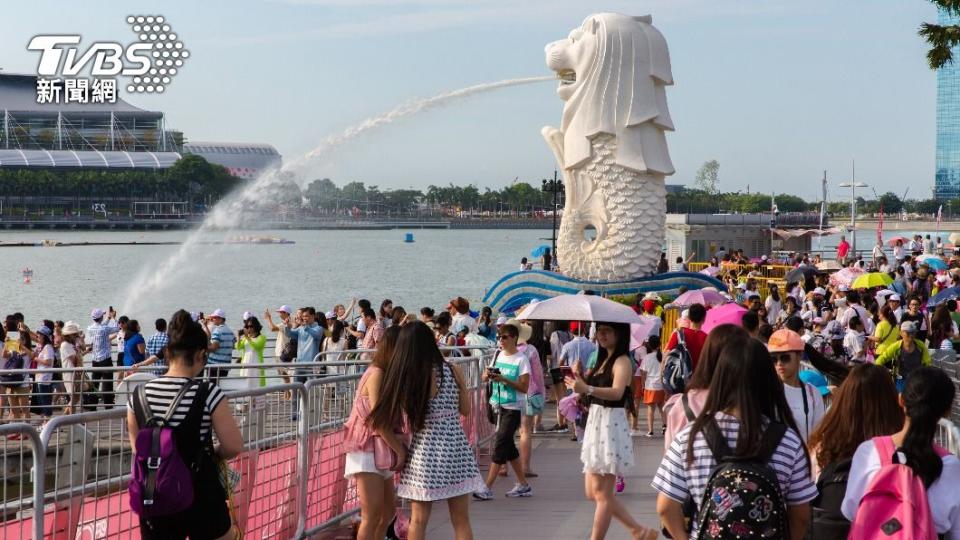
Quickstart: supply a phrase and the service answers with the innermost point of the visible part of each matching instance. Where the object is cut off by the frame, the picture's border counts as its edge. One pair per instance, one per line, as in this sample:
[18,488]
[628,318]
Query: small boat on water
[243,239]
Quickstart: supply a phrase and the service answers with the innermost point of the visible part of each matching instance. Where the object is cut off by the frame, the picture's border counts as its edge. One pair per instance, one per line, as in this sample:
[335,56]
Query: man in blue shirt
[220,350]
[576,352]
[309,336]
[99,335]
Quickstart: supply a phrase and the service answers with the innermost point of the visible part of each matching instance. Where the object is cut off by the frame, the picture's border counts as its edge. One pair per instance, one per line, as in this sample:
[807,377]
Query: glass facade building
[947,182]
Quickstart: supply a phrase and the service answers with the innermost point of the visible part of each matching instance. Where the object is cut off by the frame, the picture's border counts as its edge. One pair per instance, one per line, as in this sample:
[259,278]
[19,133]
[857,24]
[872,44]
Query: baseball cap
[818,320]
[843,288]
[501,320]
[815,378]
[218,313]
[45,331]
[894,297]
[284,309]
[97,313]
[330,315]
[785,341]
[909,327]
[247,315]
[820,291]
[753,294]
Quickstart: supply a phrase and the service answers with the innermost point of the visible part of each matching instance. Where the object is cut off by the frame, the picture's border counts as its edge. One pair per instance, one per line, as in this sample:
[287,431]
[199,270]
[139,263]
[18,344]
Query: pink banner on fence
[272,512]
[326,486]
[108,517]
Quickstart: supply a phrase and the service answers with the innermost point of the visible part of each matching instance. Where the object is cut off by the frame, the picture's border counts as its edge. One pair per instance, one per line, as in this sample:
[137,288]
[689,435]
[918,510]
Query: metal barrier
[22,489]
[291,480]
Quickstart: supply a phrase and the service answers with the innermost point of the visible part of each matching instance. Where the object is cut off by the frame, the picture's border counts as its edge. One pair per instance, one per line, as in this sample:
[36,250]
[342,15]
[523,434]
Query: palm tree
[942,38]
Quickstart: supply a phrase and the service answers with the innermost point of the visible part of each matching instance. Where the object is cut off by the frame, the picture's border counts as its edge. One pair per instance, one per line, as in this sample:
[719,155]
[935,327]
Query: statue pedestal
[517,289]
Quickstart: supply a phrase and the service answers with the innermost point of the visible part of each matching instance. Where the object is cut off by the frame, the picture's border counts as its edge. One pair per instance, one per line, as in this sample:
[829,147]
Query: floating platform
[517,289]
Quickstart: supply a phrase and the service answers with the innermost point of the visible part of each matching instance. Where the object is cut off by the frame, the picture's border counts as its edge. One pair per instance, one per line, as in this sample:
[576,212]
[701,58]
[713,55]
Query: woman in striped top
[746,395]
[208,517]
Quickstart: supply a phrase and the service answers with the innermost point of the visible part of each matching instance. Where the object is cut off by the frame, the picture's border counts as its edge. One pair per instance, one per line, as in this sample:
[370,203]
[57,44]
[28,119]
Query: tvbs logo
[149,64]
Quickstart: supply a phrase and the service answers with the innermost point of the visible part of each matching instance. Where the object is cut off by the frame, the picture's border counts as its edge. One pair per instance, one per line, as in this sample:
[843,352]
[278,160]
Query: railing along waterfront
[68,479]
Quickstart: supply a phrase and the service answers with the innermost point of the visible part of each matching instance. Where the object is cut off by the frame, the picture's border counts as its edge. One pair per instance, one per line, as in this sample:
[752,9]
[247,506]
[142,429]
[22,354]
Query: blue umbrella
[944,295]
[935,263]
[540,250]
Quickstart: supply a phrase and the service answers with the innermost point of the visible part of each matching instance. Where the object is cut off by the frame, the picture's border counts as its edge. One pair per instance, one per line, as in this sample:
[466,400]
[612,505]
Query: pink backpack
[894,506]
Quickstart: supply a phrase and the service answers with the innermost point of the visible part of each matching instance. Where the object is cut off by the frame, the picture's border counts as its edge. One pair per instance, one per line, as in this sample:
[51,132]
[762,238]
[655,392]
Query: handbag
[384,458]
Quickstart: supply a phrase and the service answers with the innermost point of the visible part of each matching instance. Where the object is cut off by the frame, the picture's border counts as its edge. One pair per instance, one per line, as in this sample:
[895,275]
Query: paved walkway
[558,509]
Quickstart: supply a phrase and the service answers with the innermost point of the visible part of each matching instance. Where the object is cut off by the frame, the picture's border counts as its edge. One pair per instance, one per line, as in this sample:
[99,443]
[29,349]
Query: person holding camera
[510,374]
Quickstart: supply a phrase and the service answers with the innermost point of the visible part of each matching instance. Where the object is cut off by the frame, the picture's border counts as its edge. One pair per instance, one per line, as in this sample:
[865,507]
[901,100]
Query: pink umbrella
[710,271]
[639,333]
[893,241]
[845,276]
[705,297]
[725,314]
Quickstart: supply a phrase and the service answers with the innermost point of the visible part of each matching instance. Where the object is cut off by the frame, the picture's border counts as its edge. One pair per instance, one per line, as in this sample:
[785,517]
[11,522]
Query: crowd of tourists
[798,417]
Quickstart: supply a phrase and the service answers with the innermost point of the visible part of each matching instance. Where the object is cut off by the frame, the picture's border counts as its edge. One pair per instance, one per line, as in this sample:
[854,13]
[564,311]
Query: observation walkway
[558,509]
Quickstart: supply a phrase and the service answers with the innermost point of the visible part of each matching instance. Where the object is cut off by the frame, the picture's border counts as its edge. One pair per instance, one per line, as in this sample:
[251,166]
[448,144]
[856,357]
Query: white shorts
[362,462]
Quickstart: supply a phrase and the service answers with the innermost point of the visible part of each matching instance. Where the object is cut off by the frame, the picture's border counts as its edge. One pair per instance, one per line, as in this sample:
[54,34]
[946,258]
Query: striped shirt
[224,336]
[161,392]
[677,479]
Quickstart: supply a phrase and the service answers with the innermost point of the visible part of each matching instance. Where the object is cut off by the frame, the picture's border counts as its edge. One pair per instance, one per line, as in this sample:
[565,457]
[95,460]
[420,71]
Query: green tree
[941,38]
[708,177]
[891,203]
[323,193]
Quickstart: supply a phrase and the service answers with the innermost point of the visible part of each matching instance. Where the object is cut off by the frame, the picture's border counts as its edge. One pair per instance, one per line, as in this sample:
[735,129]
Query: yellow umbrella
[871,280]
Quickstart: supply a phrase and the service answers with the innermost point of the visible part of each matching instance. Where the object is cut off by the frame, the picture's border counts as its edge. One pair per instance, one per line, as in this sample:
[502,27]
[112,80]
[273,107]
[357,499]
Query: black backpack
[677,366]
[827,521]
[742,498]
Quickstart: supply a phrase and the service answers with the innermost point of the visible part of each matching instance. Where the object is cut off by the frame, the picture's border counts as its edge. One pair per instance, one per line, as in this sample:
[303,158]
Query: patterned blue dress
[440,464]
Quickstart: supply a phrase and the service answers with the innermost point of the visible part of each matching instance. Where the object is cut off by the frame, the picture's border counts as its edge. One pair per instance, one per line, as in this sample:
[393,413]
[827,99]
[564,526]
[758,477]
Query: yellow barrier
[670,316]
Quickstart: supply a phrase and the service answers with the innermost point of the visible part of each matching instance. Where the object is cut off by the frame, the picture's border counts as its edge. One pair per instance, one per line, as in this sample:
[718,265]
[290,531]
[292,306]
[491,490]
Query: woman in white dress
[607,450]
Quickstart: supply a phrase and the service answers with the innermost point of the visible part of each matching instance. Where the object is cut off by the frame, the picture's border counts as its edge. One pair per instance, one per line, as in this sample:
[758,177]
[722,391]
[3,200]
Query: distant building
[947,182]
[79,135]
[704,234]
[240,159]
[675,188]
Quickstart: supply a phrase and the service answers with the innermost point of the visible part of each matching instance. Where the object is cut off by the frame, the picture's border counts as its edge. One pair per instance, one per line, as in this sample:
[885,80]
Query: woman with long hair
[607,450]
[864,406]
[201,412]
[680,409]
[927,397]
[744,400]
[336,342]
[431,395]
[941,328]
[398,316]
[773,304]
[374,485]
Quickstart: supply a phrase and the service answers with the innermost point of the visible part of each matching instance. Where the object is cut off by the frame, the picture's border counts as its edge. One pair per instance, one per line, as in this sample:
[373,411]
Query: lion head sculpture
[613,71]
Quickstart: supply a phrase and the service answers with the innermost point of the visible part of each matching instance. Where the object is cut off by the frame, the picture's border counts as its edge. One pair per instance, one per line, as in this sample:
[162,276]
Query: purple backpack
[161,482]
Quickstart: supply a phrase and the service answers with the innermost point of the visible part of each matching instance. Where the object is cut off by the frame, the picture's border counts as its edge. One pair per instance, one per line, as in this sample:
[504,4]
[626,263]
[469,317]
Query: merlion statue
[613,71]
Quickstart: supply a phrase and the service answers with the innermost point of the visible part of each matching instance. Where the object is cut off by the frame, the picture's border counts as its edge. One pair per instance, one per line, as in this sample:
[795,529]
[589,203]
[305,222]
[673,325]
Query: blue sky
[775,90]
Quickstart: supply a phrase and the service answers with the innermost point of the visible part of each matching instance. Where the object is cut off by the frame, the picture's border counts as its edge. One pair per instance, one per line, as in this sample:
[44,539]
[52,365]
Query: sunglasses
[782,358]
[503,336]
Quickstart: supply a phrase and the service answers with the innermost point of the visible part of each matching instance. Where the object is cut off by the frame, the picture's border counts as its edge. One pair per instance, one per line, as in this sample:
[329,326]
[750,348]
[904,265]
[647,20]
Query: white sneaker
[484,494]
[520,490]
